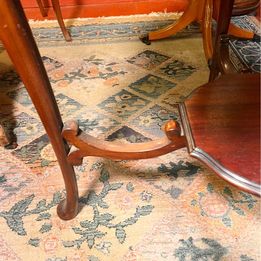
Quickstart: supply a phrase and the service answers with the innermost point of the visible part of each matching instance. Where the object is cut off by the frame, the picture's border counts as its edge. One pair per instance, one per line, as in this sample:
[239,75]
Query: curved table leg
[58,13]
[239,32]
[189,15]
[41,7]
[17,38]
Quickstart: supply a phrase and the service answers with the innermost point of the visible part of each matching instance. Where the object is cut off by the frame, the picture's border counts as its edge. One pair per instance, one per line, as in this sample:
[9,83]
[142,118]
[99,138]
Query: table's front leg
[18,40]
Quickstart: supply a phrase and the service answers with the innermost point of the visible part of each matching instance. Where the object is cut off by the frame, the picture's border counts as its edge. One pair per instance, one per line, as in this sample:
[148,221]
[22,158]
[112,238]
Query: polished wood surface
[220,62]
[89,146]
[18,40]
[222,123]
[58,14]
[200,11]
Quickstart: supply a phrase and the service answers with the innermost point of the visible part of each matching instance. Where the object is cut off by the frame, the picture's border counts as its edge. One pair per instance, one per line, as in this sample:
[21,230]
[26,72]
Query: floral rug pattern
[168,208]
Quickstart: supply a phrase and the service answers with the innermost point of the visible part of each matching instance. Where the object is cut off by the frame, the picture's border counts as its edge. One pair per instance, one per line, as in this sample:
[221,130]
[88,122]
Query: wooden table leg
[220,62]
[18,40]
[58,13]
[190,14]
[198,11]
[41,7]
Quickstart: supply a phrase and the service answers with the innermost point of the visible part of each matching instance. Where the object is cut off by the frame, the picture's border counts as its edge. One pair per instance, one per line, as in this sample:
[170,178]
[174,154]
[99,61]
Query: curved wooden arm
[90,146]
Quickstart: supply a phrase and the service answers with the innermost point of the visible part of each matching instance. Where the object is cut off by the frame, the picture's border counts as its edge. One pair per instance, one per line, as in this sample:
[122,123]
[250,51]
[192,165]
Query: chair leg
[17,38]
[239,32]
[58,13]
[41,7]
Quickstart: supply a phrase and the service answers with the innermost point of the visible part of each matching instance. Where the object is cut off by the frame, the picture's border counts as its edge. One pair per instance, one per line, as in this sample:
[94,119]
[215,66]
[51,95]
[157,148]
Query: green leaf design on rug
[246,258]
[174,169]
[213,250]
[89,229]
[34,242]
[14,217]
[2,179]
[45,228]
[130,187]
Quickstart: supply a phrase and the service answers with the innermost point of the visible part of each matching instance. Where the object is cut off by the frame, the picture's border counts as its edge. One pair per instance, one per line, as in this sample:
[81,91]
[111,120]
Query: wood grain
[224,120]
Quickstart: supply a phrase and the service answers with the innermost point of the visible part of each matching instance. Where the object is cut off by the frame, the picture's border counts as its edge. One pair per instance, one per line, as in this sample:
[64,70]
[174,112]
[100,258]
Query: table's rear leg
[189,15]
[41,7]
[58,13]
[17,38]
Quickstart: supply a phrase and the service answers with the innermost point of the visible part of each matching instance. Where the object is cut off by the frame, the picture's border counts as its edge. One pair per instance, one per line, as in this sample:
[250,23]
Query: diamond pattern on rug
[24,126]
[66,105]
[152,86]
[123,104]
[50,63]
[153,119]
[148,59]
[9,79]
[176,70]
[37,154]
[128,134]
[95,123]
[13,177]
[21,96]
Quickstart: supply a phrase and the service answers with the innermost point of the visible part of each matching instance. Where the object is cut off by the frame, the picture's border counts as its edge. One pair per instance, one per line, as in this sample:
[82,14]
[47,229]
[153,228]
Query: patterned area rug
[168,208]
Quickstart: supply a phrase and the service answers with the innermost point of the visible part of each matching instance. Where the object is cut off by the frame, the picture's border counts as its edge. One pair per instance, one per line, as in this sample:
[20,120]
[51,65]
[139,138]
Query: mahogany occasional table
[220,120]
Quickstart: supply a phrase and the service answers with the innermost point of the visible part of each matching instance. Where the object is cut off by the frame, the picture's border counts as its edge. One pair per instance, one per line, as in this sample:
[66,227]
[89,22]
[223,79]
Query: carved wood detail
[88,145]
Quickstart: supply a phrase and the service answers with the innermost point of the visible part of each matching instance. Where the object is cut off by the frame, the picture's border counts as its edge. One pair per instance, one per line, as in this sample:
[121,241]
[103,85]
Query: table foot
[145,39]
[90,146]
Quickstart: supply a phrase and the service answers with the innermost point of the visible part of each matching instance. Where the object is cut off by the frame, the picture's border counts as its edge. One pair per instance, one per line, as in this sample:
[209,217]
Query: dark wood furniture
[17,39]
[58,13]
[202,12]
[221,122]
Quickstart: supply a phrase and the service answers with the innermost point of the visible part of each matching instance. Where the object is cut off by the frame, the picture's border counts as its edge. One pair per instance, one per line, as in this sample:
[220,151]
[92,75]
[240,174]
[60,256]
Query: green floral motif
[177,70]
[14,217]
[213,251]
[246,258]
[130,187]
[34,242]
[2,179]
[148,59]
[152,86]
[123,104]
[89,230]
[181,169]
[174,170]
[39,150]
[89,68]
[219,205]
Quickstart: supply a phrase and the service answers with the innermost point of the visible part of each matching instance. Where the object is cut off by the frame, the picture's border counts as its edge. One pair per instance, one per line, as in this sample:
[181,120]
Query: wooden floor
[96,8]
